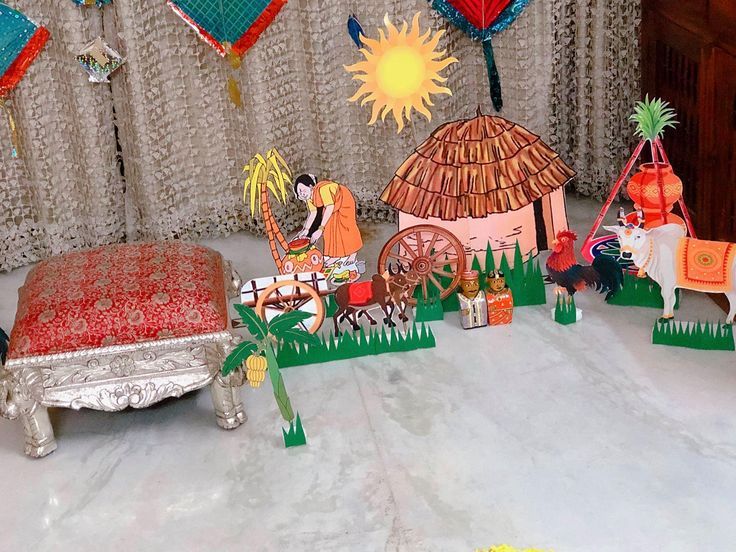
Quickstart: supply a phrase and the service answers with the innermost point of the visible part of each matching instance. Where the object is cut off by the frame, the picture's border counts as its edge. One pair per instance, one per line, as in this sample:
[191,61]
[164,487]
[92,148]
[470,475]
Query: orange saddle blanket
[705,265]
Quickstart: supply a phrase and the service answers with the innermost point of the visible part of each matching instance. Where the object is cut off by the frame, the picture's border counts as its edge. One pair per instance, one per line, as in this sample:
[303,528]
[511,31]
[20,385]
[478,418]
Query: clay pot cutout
[302,257]
[644,190]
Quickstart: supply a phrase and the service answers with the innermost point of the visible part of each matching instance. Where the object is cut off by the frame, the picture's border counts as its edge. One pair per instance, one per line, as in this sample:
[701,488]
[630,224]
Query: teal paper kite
[229,26]
[21,40]
[480,20]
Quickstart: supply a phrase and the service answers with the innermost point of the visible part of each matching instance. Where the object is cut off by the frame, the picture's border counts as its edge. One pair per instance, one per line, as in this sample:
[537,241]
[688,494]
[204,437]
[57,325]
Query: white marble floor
[580,439]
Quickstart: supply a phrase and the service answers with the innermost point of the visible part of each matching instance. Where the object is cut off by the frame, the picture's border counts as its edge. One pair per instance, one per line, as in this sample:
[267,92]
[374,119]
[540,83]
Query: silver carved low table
[120,327]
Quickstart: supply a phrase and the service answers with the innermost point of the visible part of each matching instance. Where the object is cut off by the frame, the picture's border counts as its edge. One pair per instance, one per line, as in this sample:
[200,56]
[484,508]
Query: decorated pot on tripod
[655,189]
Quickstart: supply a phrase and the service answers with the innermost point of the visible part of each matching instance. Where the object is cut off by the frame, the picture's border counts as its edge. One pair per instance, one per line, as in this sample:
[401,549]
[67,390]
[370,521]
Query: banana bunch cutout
[256,370]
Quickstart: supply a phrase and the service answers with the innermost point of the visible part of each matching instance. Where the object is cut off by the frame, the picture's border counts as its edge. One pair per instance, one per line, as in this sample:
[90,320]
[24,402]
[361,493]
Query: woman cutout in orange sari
[332,216]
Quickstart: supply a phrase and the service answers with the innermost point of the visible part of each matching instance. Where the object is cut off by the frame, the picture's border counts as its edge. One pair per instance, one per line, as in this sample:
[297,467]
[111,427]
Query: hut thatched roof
[475,168]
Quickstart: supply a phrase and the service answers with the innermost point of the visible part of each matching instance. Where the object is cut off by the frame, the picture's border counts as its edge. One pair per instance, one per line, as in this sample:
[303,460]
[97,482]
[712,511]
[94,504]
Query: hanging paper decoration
[230,26]
[355,30]
[400,71]
[481,19]
[21,40]
[98,3]
[99,60]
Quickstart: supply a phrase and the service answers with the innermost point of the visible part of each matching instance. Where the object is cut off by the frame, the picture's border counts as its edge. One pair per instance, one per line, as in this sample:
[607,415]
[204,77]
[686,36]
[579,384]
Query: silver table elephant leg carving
[40,439]
[115,378]
[17,401]
[226,397]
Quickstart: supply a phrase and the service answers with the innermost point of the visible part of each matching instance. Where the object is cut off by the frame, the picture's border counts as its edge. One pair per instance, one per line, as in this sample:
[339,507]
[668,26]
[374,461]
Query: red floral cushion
[118,295]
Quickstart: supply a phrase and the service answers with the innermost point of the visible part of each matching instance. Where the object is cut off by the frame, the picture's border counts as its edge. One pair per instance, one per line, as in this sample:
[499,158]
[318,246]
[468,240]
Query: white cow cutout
[655,253]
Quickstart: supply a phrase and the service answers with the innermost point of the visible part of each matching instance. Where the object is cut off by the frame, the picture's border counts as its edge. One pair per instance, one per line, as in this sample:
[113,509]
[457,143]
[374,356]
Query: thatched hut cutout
[485,180]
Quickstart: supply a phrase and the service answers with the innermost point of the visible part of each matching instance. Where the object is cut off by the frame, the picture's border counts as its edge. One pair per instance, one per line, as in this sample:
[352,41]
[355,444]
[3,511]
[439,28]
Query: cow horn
[641,217]
[621,217]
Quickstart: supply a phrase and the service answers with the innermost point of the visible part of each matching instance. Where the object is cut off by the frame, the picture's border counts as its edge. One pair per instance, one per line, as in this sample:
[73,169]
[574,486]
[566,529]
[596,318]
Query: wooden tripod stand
[659,156]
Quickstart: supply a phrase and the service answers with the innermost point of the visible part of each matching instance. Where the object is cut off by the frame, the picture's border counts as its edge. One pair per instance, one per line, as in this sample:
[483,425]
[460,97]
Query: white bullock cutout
[654,252]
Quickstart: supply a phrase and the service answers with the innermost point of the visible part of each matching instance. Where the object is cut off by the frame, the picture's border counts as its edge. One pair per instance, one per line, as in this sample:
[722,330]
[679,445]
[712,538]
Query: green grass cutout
[355,344]
[432,308]
[704,336]
[429,310]
[566,313]
[330,305]
[641,292]
[295,437]
[525,280]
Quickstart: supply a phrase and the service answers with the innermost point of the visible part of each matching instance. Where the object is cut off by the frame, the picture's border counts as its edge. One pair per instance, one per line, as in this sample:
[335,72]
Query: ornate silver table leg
[40,439]
[226,397]
[17,400]
[226,391]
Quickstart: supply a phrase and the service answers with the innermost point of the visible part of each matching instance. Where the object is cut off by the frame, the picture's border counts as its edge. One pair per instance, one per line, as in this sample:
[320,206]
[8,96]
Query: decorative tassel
[14,136]
[493,77]
[355,30]
[233,91]
[235,62]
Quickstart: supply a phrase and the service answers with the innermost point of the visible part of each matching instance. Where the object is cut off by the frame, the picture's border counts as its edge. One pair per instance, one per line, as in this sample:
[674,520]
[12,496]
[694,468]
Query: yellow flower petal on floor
[508,548]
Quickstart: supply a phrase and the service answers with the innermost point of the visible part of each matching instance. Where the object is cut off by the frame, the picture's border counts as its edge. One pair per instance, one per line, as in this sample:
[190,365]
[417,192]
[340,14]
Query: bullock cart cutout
[274,295]
[417,257]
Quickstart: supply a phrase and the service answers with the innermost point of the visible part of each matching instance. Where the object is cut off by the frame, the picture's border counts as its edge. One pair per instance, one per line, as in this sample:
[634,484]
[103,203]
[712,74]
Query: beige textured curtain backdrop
[184,144]
[595,84]
[66,192]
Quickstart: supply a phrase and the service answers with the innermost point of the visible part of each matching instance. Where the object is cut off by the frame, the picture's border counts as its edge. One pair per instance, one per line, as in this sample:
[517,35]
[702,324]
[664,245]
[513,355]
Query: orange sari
[500,308]
[341,234]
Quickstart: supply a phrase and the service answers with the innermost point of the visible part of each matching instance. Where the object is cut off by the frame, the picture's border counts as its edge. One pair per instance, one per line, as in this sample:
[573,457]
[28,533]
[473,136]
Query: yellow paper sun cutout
[400,71]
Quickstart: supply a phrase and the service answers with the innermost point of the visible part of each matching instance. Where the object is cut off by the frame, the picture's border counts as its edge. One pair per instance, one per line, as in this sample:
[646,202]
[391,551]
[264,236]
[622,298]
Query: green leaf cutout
[237,357]
[653,117]
[255,325]
[286,321]
[293,335]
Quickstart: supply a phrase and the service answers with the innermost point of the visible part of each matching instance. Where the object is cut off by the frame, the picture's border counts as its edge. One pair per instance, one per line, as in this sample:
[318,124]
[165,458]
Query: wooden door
[723,146]
[723,18]
[675,64]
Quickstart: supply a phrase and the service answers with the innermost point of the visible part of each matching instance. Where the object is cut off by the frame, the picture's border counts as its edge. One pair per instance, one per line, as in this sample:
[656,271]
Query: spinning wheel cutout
[428,250]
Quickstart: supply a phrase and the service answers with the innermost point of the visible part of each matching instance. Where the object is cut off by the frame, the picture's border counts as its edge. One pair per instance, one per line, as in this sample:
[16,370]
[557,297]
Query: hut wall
[501,230]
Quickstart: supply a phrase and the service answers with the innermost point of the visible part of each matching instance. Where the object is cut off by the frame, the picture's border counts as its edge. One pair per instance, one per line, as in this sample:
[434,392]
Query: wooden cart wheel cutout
[429,250]
[288,296]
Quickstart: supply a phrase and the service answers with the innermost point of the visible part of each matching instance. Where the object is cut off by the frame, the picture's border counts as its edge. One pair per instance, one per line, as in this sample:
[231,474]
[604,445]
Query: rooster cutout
[605,275]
